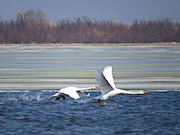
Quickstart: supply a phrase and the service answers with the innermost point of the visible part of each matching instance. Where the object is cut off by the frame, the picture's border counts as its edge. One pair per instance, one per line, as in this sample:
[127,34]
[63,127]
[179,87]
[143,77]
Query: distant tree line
[33,26]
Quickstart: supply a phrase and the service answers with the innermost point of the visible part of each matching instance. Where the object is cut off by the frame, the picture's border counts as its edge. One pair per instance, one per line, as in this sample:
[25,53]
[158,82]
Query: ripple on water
[152,113]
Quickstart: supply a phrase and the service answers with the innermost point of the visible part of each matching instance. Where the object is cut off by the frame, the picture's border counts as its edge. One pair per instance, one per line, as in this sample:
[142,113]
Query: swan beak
[97,86]
[145,92]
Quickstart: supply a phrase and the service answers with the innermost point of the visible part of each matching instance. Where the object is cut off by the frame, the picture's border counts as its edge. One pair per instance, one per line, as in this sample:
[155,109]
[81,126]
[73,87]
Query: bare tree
[33,26]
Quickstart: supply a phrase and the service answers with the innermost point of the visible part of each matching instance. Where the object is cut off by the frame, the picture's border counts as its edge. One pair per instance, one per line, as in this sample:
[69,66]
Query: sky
[125,11]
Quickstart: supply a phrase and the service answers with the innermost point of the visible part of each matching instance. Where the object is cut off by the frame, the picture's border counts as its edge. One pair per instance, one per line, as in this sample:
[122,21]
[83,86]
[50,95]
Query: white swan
[105,82]
[73,92]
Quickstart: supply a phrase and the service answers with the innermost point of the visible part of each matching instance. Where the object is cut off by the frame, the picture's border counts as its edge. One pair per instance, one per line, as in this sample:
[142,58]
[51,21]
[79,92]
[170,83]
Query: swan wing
[74,94]
[71,91]
[102,82]
[107,72]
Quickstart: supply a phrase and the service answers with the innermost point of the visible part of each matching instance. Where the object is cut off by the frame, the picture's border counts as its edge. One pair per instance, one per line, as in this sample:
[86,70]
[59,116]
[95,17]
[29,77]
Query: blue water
[35,112]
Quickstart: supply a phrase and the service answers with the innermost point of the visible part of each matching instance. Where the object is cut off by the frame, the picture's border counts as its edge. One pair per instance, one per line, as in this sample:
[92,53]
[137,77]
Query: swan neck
[88,88]
[133,92]
[129,92]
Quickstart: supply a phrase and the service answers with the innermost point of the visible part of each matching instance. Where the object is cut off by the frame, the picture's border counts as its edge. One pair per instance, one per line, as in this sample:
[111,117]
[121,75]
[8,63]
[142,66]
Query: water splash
[21,96]
[27,97]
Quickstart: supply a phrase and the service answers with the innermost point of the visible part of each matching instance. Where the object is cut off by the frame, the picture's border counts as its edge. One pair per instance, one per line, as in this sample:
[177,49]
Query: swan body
[73,92]
[105,82]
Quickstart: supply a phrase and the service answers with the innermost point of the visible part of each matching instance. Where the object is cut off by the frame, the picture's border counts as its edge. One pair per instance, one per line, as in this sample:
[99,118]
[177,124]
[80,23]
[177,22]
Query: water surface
[35,112]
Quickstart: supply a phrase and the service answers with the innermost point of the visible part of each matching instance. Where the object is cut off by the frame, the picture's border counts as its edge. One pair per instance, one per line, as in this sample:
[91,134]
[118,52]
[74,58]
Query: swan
[73,92]
[105,82]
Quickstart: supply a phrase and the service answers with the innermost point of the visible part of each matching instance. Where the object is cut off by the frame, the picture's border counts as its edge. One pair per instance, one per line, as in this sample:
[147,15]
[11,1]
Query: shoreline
[96,44]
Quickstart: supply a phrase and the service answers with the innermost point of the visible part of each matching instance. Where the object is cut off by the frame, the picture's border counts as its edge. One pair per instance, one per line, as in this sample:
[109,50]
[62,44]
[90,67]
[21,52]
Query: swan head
[143,92]
[94,87]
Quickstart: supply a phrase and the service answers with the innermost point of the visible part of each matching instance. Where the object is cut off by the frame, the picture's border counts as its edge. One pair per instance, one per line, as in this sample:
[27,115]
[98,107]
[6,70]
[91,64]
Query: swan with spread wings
[105,82]
[73,92]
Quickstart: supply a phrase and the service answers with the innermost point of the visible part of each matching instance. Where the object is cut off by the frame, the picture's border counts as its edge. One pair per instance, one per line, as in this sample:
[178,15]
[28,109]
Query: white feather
[104,81]
[109,77]
[73,92]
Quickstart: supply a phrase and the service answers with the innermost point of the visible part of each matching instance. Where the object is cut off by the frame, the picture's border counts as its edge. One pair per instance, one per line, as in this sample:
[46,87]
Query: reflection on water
[47,67]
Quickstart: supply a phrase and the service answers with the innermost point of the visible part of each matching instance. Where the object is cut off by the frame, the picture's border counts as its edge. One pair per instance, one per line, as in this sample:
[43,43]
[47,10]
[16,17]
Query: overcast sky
[122,10]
